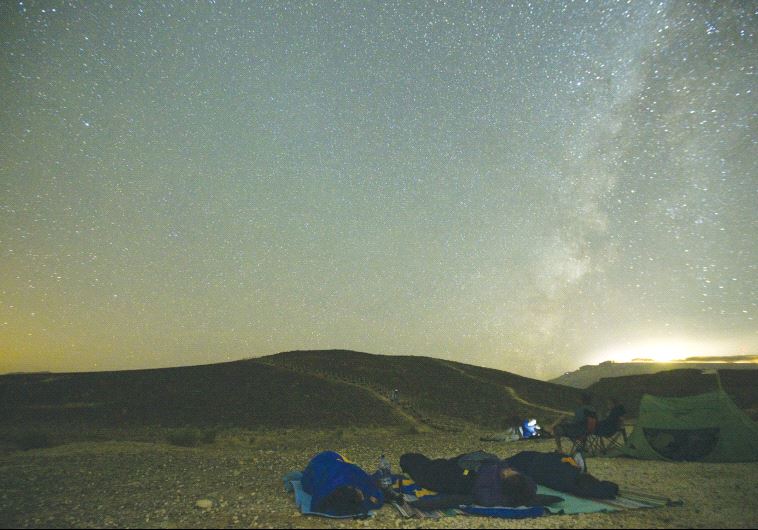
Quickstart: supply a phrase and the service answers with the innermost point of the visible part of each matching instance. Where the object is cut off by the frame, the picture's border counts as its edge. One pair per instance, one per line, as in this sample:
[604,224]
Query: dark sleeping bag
[561,473]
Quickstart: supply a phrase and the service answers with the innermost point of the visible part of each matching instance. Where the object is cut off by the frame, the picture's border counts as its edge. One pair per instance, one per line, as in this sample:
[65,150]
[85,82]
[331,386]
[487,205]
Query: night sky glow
[524,186]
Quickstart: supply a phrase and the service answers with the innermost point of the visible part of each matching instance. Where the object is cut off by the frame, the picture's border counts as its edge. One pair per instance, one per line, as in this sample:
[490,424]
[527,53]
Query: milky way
[525,186]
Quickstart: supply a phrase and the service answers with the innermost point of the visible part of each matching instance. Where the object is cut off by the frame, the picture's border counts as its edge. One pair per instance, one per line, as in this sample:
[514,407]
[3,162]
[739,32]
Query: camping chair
[578,433]
[608,434]
[599,443]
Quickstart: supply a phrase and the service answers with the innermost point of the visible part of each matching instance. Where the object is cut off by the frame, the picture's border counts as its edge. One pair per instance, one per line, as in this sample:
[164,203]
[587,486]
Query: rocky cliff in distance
[589,374]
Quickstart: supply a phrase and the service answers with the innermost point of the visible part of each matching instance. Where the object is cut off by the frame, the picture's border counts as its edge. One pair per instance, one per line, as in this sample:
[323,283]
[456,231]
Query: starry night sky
[529,187]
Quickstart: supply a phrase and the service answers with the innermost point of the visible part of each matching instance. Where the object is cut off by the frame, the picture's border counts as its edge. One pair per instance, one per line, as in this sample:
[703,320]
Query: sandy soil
[157,485]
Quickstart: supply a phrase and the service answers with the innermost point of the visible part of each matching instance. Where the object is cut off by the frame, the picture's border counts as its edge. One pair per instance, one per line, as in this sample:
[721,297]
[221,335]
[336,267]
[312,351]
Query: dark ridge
[741,385]
[327,389]
[241,393]
[324,389]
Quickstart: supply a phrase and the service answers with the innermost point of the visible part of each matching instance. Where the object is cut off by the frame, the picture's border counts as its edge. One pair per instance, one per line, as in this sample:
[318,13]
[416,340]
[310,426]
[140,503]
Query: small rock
[204,504]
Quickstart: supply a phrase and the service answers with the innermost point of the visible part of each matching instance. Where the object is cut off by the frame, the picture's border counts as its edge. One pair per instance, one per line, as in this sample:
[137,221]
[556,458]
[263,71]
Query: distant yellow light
[660,351]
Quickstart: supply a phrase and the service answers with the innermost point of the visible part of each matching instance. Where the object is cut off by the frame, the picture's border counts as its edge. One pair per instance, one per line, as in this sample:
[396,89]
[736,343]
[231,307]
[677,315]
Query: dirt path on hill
[511,391]
[416,422]
[518,398]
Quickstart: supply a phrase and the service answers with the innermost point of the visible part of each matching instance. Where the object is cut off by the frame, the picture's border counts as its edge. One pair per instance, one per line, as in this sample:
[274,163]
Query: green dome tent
[708,428]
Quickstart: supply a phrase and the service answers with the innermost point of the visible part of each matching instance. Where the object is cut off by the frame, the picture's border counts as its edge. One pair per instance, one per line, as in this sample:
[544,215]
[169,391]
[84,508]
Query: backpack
[473,461]
[529,429]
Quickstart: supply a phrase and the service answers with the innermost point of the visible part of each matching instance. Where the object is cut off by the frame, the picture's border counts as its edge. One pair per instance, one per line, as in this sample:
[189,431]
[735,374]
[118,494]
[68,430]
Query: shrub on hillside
[208,436]
[191,437]
[33,440]
[411,430]
[188,437]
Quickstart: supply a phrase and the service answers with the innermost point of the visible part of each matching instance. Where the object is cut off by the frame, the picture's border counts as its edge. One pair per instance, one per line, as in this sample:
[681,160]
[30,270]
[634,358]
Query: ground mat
[566,504]
[303,500]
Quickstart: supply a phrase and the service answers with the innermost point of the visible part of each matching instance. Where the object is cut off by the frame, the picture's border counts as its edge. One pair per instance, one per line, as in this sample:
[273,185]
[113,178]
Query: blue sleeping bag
[329,470]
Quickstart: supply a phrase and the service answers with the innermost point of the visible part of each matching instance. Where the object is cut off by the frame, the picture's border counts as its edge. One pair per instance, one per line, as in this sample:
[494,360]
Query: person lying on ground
[339,487]
[489,482]
[561,472]
[505,482]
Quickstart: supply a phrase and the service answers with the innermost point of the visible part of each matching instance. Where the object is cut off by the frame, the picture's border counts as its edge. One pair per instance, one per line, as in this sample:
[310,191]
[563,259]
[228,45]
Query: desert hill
[442,391]
[241,393]
[293,389]
[326,389]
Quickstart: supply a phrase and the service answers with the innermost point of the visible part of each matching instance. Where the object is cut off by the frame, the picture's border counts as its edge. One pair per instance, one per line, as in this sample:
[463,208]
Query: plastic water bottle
[385,473]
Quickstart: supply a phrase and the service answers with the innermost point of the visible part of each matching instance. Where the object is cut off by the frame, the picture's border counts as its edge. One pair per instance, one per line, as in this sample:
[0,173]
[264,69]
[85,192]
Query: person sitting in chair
[584,422]
[613,422]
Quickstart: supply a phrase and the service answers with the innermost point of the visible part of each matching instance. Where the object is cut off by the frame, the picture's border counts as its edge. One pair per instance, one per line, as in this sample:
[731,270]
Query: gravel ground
[156,485]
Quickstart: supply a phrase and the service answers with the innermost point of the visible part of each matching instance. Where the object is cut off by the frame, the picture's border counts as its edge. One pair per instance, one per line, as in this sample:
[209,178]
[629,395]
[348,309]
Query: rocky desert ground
[236,482]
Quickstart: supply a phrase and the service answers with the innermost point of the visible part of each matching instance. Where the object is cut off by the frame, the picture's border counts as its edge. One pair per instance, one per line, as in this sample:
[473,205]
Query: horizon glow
[670,350]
